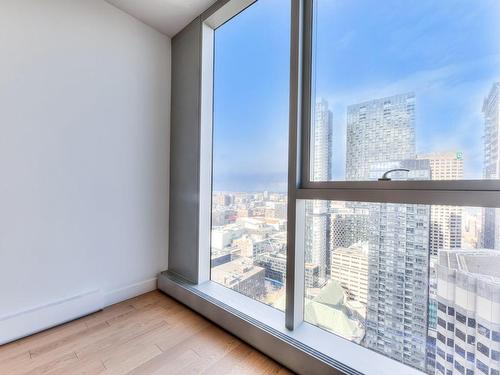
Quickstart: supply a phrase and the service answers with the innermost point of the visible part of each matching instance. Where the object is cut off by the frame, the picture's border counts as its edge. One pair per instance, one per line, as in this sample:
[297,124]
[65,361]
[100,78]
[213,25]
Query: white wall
[84,152]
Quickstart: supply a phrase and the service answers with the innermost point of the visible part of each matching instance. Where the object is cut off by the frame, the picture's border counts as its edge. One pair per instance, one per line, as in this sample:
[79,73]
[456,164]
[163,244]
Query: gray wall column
[185,152]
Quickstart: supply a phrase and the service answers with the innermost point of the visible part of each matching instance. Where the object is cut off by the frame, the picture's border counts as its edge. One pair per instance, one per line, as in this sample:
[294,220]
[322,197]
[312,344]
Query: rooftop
[234,271]
[482,262]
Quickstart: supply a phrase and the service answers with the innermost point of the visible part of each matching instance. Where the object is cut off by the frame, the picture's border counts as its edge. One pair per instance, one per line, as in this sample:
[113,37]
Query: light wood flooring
[149,334]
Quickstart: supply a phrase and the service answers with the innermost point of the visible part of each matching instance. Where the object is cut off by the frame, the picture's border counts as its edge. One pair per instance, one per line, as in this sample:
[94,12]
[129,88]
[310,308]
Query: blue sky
[447,52]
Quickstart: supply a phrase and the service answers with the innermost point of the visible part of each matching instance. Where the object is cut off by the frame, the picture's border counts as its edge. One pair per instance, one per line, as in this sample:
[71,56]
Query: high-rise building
[348,225]
[446,221]
[432,318]
[491,168]
[349,267]
[241,275]
[398,273]
[321,142]
[381,137]
[317,221]
[275,266]
[379,130]
[445,233]
[468,317]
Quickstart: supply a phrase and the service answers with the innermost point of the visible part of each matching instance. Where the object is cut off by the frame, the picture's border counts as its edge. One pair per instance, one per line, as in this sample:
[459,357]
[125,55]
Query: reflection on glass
[250,150]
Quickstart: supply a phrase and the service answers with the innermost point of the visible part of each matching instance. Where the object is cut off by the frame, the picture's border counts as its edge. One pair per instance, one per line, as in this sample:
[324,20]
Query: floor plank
[148,334]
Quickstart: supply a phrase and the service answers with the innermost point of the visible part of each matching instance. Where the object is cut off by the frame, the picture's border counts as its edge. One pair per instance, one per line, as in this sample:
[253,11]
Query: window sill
[307,349]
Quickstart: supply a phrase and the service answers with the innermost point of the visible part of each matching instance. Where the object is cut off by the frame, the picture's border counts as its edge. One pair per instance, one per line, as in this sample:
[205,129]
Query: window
[460,351]
[353,187]
[495,355]
[471,357]
[441,337]
[460,334]
[377,247]
[483,331]
[385,81]
[482,367]
[483,349]
[249,200]
[442,322]
[495,336]
[461,318]
[441,353]
[459,367]
[373,287]
[440,367]
[442,308]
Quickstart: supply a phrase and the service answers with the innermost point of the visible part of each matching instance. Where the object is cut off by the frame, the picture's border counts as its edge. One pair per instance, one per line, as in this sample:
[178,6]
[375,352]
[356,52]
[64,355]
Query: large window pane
[405,80]
[409,281]
[250,150]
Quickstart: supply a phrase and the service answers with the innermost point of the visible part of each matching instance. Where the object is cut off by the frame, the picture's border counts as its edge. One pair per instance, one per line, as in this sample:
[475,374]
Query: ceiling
[167,16]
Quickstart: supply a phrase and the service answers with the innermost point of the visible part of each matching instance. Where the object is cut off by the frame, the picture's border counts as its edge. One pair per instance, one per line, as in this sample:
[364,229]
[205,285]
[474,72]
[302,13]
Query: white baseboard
[39,318]
[130,291]
[27,322]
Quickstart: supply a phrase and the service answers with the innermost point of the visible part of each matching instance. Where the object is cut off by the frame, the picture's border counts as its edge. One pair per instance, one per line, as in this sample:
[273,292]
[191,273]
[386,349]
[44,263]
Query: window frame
[476,193]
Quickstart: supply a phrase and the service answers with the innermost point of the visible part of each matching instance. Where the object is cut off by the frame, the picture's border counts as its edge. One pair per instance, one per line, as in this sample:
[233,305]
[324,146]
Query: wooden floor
[149,334]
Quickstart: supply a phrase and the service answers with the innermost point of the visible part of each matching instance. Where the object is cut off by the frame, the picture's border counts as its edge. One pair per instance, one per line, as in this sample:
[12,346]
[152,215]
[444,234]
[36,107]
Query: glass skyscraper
[381,137]
[379,130]
[317,218]
[491,170]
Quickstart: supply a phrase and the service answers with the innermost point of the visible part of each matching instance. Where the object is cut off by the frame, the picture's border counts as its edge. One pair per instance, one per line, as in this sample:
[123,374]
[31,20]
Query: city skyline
[377,274]
[251,146]
[398,316]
